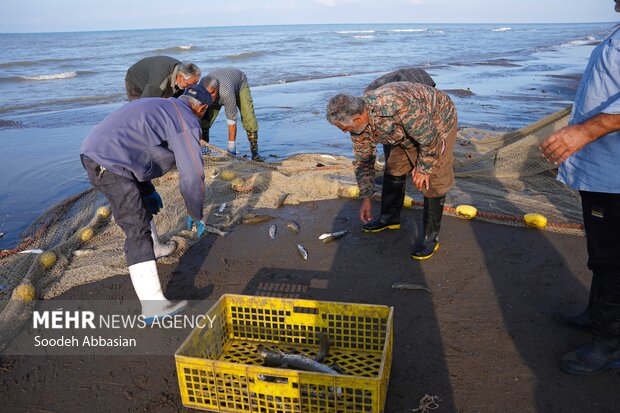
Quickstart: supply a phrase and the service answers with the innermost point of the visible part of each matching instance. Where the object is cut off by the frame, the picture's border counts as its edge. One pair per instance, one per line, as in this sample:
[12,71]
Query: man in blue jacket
[589,153]
[139,142]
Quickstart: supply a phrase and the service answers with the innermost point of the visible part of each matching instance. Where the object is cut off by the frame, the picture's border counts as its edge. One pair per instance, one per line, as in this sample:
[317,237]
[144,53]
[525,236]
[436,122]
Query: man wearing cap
[229,88]
[417,125]
[139,142]
[159,77]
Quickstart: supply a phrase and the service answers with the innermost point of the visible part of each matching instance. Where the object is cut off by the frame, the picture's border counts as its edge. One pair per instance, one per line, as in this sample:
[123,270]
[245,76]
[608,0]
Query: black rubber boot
[603,352]
[431,222]
[392,196]
[253,139]
[581,321]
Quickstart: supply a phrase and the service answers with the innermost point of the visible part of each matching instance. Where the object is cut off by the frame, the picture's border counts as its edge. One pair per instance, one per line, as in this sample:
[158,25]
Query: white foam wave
[364,37]
[186,47]
[501,29]
[53,76]
[355,31]
[579,42]
[408,30]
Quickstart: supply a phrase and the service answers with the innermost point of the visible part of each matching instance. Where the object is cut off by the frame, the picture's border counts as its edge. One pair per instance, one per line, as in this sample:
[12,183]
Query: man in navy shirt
[139,142]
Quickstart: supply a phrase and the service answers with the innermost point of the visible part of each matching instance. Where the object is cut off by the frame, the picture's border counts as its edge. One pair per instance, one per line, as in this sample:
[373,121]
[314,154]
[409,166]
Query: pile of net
[502,175]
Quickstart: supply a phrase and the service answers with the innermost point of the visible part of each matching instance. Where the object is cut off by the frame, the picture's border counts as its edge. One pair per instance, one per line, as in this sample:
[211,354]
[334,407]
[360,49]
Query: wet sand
[483,340]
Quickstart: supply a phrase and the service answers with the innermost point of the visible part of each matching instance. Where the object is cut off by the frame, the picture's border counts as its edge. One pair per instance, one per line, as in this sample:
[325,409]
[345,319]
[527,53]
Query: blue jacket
[144,139]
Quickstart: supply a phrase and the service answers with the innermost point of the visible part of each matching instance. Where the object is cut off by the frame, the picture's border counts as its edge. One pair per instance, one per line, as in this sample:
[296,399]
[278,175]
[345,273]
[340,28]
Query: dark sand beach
[483,340]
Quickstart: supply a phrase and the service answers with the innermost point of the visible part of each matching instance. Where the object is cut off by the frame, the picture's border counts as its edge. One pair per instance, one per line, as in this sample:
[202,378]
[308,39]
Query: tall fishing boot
[431,223]
[392,196]
[253,138]
[145,281]
[582,321]
[161,250]
[603,352]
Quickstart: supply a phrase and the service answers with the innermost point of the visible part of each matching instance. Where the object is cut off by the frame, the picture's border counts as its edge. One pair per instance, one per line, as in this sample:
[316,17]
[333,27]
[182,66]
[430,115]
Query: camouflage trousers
[401,160]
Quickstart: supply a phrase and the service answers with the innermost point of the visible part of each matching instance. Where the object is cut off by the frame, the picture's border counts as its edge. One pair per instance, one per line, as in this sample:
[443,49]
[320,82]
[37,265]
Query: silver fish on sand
[409,286]
[302,251]
[295,361]
[222,207]
[293,226]
[272,231]
[214,230]
[216,172]
[34,251]
[83,252]
[330,236]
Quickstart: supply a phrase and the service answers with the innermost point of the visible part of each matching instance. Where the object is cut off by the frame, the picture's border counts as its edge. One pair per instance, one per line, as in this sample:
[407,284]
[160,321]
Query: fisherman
[417,126]
[588,151]
[139,142]
[159,77]
[405,74]
[229,88]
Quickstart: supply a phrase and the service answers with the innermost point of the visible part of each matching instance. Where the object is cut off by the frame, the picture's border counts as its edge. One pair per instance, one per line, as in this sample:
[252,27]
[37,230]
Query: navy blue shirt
[145,138]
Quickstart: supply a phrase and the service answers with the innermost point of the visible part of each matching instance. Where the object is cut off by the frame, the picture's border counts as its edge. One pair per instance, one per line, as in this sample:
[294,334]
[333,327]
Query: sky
[19,16]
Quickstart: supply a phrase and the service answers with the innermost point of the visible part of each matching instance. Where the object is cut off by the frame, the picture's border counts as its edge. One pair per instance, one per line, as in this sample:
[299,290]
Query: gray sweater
[154,76]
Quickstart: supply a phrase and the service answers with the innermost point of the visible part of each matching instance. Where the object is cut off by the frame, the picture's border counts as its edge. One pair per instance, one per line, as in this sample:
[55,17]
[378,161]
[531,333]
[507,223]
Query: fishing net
[503,175]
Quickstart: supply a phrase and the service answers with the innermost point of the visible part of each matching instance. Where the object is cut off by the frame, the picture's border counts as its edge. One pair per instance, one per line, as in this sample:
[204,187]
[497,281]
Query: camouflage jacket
[406,114]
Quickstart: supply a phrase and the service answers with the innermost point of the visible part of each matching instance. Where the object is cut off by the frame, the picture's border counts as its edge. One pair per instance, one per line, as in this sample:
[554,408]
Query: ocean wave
[53,76]
[364,37]
[501,29]
[26,63]
[407,30]
[52,104]
[355,31]
[579,42]
[180,48]
[245,55]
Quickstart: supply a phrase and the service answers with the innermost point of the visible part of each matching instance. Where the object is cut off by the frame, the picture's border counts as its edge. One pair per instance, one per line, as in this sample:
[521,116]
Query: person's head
[187,74]
[347,113]
[212,85]
[198,98]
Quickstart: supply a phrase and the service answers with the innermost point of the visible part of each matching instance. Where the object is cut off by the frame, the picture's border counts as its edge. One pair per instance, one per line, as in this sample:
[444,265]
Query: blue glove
[200,226]
[153,203]
[205,150]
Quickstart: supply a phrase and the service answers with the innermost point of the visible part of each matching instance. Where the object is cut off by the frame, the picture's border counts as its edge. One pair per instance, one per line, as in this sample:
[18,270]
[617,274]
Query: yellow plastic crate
[219,368]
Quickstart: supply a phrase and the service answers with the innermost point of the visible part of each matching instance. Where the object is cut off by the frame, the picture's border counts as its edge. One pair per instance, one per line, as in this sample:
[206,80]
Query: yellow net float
[104,212]
[466,211]
[407,201]
[24,292]
[353,191]
[535,220]
[47,259]
[85,234]
[227,175]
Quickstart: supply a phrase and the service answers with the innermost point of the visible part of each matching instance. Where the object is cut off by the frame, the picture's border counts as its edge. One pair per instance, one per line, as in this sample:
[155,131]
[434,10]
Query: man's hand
[153,203]
[366,211]
[563,143]
[420,180]
[200,226]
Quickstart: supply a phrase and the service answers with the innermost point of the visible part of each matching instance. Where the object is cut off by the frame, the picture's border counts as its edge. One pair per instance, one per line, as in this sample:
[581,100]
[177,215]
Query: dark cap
[198,91]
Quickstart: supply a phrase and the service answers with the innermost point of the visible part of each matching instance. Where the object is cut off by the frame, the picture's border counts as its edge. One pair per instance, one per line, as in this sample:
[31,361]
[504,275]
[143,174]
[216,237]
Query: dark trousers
[125,196]
[601,217]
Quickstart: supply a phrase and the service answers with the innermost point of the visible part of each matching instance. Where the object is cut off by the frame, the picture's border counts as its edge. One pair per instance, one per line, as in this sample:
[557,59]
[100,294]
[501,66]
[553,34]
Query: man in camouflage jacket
[417,125]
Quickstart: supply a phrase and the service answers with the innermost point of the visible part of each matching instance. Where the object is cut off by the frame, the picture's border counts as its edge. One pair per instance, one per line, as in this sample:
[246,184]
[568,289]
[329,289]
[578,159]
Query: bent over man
[417,125]
[229,88]
[589,152]
[139,142]
[159,77]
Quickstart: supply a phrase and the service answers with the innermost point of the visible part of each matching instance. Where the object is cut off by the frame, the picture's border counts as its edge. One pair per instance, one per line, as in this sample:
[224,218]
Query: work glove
[205,150]
[153,202]
[200,226]
[232,148]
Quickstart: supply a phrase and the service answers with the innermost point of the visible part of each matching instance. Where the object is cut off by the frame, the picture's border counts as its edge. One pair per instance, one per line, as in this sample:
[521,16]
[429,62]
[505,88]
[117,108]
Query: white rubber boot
[161,250]
[145,281]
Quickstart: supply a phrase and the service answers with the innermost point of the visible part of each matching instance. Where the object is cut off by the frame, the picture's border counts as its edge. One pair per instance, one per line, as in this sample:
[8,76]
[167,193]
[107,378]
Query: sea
[54,87]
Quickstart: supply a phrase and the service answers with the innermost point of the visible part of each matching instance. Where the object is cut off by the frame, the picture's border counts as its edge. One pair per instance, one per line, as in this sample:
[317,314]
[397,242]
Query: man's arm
[565,142]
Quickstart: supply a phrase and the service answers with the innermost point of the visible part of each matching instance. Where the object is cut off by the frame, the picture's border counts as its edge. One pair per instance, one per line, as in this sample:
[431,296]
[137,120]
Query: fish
[281,199]
[252,218]
[302,251]
[222,207]
[409,286]
[83,252]
[293,226]
[330,236]
[216,172]
[323,349]
[214,230]
[328,157]
[296,361]
[34,251]
[272,231]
